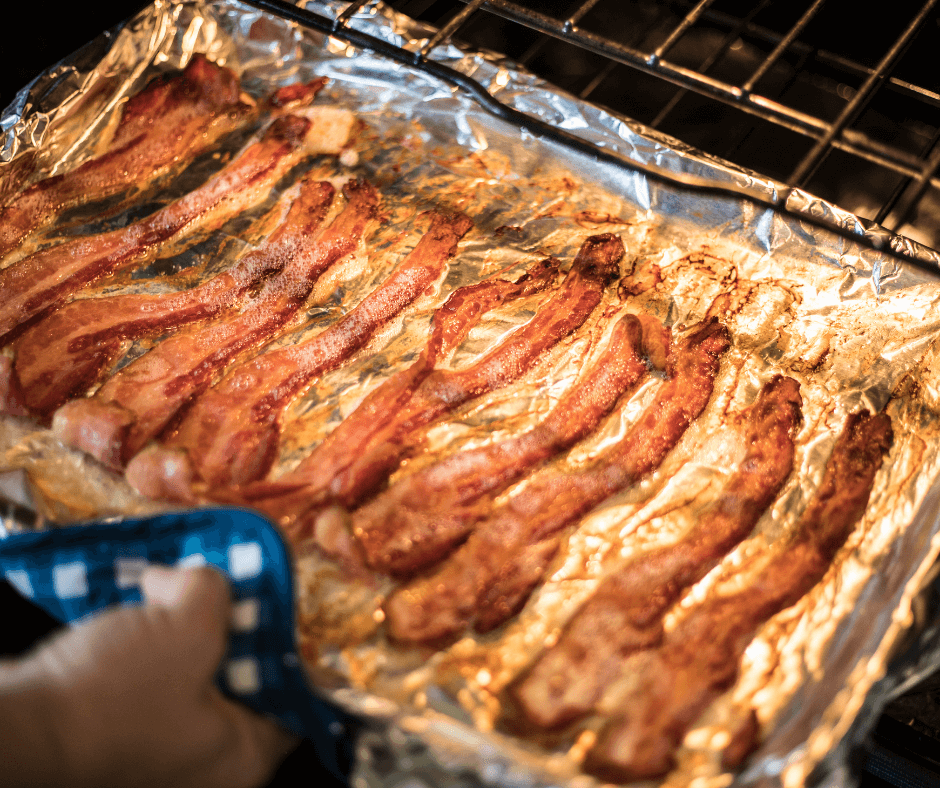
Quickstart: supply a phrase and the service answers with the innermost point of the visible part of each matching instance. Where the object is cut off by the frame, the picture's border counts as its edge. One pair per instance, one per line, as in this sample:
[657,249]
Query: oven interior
[822,95]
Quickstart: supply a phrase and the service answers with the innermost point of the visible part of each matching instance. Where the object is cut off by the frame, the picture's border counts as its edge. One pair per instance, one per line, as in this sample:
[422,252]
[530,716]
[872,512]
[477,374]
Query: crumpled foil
[856,327]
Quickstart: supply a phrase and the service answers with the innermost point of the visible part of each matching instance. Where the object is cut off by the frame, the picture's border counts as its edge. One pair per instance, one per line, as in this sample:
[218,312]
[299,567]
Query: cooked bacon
[379,444]
[701,657]
[168,123]
[489,578]
[285,498]
[48,277]
[230,433]
[625,613]
[146,394]
[65,353]
[420,519]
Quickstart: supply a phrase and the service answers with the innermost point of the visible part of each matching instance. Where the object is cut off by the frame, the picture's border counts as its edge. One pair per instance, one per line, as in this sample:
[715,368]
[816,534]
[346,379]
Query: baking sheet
[855,327]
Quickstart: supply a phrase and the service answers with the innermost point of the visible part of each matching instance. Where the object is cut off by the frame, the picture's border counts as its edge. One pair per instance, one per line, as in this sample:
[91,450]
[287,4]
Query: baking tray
[816,731]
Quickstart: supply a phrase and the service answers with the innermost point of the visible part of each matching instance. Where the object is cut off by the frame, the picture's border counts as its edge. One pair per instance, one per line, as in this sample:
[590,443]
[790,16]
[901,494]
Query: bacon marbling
[146,394]
[489,578]
[625,612]
[48,277]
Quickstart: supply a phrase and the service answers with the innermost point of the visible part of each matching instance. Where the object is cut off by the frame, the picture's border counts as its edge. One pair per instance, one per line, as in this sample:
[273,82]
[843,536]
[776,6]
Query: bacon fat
[701,657]
[48,277]
[420,519]
[489,578]
[64,354]
[231,431]
[625,613]
[168,123]
[423,394]
[152,389]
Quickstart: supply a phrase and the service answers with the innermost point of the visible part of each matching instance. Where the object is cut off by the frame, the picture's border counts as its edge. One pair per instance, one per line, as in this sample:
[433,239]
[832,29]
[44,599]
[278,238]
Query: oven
[820,95]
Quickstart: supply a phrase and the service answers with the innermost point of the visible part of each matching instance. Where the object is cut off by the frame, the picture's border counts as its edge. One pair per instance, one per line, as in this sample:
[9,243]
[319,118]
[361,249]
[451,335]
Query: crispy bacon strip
[285,498]
[169,122]
[65,353]
[700,659]
[420,519]
[231,432]
[381,444]
[625,613]
[140,400]
[48,277]
[489,578]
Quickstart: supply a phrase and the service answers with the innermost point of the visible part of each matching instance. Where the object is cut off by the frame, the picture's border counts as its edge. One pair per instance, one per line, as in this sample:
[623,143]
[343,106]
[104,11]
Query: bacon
[65,353]
[285,498]
[371,447]
[625,613]
[701,657]
[46,278]
[489,578]
[152,389]
[231,432]
[168,123]
[420,519]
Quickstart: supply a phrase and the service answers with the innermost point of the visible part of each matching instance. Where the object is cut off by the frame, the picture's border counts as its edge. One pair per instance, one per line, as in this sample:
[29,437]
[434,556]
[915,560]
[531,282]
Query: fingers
[196,604]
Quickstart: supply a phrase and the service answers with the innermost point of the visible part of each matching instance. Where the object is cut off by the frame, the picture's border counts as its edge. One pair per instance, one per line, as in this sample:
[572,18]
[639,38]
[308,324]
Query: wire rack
[797,91]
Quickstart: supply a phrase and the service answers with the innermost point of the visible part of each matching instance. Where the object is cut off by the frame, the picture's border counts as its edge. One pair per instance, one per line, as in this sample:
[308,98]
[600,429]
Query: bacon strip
[65,353]
[700,659]
[48,277]
[625,613]
[285,498]
[231,432]
[489,578]
[168,123]
[140,400]
[420,519]
[371,449]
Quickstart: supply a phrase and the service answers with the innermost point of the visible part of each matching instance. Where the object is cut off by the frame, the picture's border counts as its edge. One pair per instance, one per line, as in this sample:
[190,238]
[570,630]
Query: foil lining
[857,328]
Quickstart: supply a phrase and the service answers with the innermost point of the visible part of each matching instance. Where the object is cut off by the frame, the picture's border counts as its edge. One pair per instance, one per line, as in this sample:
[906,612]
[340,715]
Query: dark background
[46,31]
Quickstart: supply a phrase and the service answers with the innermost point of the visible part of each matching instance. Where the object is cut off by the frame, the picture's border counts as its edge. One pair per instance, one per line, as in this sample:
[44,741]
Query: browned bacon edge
[141,399]
[48,277]
[490,577]
[625,613]
[169,122]
[230,433]
[285,498]
[441,391]
[65,353]
[701,657]
[420,519]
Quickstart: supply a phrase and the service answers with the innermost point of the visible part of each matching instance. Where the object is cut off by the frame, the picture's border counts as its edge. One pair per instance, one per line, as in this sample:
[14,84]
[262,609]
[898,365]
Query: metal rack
[783,88]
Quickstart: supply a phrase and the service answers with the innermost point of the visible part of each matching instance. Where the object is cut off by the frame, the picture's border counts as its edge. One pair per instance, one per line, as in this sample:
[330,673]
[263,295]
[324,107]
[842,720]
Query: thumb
[196,603]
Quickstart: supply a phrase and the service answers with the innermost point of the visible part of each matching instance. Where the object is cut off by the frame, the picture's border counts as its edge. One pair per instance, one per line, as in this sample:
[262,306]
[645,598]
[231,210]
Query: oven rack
[915,175]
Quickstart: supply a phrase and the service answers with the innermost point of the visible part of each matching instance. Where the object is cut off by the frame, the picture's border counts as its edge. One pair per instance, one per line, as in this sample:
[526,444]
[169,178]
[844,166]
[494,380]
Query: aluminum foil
[857,328]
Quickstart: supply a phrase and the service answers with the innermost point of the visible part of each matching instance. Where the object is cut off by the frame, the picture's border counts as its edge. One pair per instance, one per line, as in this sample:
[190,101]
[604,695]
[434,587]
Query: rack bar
[805,169]
[783,46]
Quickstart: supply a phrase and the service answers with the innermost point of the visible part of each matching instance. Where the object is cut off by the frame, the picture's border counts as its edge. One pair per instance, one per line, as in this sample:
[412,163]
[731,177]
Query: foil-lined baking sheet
[856,327]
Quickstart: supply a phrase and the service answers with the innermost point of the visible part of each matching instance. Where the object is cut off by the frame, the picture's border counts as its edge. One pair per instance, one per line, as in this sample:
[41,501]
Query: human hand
[134,699]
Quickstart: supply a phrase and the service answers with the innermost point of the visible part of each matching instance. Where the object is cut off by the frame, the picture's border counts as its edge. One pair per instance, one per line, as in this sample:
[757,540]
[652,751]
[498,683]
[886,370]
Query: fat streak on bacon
[138,402]
[489,578]
[421,518]
[700,658]
[625,612]
[48,277]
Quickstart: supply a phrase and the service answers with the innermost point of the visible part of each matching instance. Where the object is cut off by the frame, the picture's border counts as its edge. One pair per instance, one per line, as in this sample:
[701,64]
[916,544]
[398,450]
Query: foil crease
[856,327]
